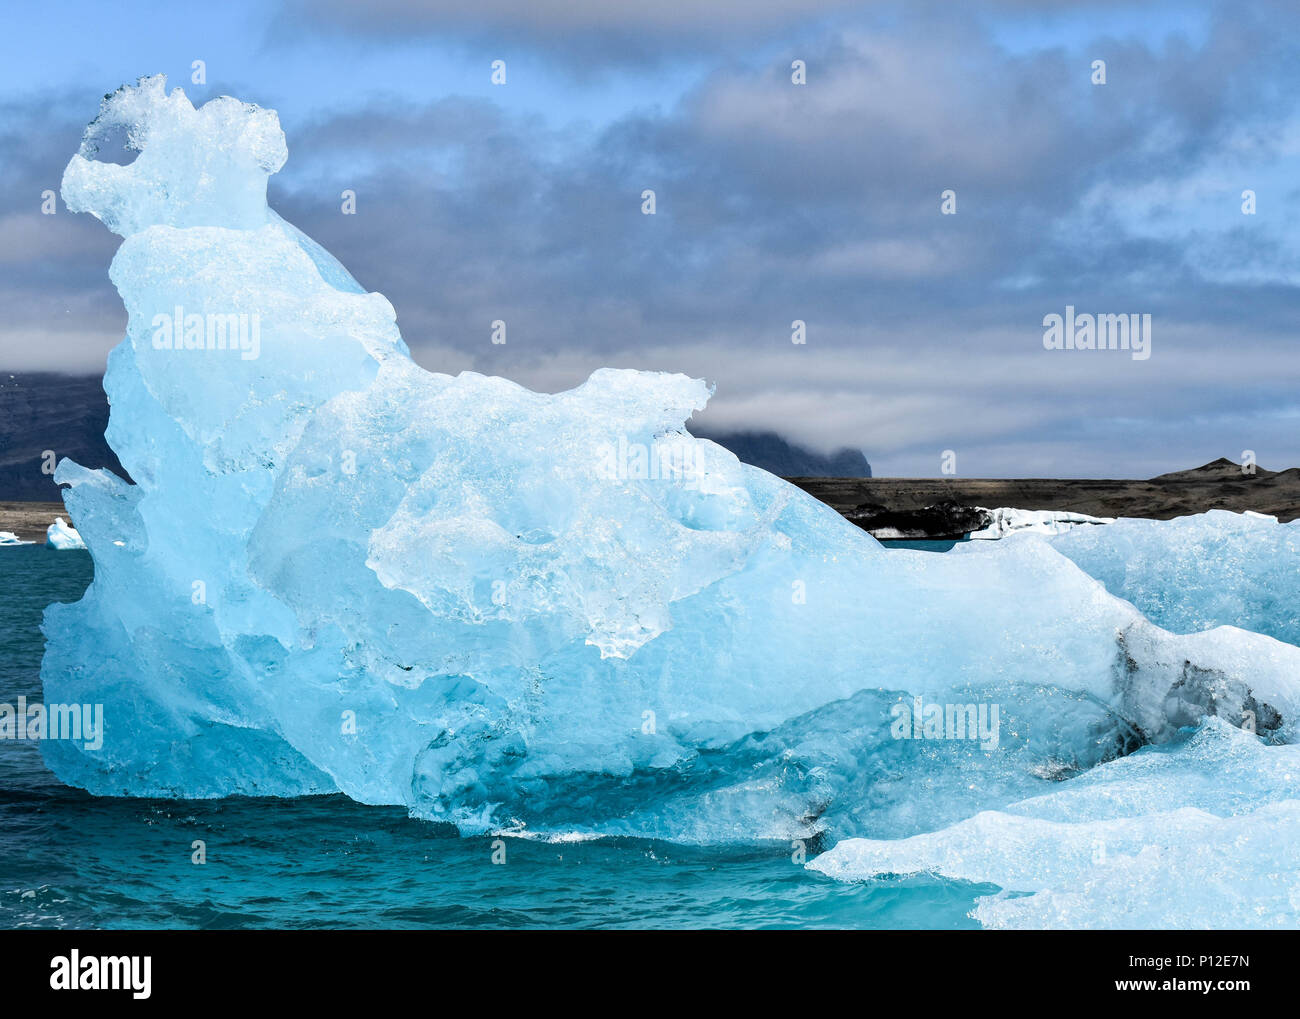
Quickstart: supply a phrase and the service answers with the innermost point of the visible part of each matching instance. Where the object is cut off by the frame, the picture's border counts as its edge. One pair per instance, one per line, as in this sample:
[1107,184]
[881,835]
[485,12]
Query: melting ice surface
[1198,572]
[1197,835]
[554,614]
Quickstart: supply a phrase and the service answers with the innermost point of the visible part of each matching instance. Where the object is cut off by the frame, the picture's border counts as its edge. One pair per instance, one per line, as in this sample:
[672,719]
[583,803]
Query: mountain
[1221,469]
[785,459]
[40,411]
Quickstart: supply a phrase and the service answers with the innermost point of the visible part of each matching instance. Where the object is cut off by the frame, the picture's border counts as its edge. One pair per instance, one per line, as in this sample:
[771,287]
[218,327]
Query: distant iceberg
[63,536]
[1005,520]
[517,611]
[9,538]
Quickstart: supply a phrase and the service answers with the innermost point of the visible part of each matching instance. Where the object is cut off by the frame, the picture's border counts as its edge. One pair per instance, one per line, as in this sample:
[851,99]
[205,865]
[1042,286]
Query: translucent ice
[1201,833]
[507,609]
[1198,572]
[62,536]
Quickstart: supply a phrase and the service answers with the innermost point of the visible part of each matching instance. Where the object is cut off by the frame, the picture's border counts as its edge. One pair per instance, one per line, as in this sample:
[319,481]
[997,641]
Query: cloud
[58,308]
[821,202]
[584,34]
[559,17]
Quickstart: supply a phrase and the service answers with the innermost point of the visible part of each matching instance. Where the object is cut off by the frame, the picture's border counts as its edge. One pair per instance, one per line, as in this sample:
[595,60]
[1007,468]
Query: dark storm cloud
[772,196]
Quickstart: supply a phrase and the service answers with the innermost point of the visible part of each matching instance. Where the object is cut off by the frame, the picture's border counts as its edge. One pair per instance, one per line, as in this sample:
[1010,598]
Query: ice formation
[1201,571]
[62,536]
[514,610]
[1202,833]
[9,538]
[1005,520]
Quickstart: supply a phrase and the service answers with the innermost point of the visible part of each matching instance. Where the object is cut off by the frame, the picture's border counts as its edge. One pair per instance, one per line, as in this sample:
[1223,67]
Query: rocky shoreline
[30,520]
[947,508]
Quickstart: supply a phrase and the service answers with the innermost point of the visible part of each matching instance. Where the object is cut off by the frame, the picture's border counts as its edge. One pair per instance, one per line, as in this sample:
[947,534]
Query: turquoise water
[923,544]
[70,860]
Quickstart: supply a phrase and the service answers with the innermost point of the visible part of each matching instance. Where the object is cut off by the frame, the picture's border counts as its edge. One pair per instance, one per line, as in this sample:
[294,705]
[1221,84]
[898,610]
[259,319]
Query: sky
[775,202]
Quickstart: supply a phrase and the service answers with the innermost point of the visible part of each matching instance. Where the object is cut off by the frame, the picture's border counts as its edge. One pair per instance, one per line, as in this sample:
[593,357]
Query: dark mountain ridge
[43,418]
[776,455]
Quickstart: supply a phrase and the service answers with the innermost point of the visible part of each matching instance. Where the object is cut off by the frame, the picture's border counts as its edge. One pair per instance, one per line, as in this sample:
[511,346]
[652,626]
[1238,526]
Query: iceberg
[9,538]
[1006,520]
[519,611]
[1197,572]
[60,535]
[1201,833]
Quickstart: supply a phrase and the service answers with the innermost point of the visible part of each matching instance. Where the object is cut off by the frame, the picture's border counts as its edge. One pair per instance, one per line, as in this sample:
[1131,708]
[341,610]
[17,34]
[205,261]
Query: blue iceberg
[1201,833]
[1198,572]
[517,611]
[62,537]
